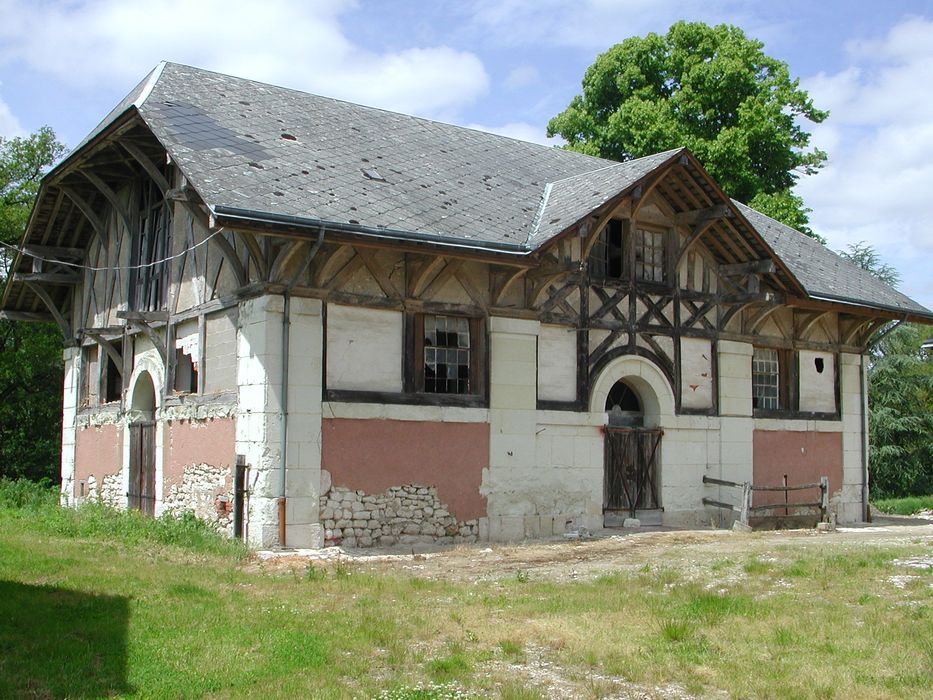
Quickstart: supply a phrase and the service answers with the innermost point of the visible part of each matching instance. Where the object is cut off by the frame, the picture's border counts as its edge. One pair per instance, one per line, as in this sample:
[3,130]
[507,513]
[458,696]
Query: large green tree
[900,398]
[30,354]
[713,90]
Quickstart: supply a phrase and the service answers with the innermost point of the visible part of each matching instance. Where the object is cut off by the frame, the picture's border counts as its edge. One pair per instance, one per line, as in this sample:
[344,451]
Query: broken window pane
[447,355]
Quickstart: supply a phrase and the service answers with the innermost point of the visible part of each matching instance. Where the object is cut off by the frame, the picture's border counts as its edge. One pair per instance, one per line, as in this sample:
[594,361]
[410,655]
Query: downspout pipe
[863,405]
[286,340]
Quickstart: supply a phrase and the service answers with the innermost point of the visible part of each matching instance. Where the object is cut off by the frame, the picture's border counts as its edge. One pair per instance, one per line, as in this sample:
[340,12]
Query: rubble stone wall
[406,514]
[206,491]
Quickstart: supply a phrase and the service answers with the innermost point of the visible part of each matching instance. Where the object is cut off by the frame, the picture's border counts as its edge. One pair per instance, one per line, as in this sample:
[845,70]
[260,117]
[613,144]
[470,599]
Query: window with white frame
[447,355]
[649,255]
[766,379]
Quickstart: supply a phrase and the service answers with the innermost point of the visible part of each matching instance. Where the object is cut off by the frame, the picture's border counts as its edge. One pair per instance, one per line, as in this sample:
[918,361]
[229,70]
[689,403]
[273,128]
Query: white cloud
[9,124]
[522,131]
[522,76]
[592,24]
[879,135]
[299,44]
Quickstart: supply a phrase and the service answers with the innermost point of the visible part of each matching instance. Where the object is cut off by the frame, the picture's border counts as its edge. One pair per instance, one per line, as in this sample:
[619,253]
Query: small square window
[446,358]
[766,379]
[447,355]
[649,255]
[606,256]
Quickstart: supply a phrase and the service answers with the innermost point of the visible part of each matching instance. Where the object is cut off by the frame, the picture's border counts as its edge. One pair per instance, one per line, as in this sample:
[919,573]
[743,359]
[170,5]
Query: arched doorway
[142,477]
[636,398]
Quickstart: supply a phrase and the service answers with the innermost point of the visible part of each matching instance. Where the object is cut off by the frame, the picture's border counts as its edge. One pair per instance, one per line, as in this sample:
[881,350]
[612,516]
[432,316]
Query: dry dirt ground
[608,551]
[690,552]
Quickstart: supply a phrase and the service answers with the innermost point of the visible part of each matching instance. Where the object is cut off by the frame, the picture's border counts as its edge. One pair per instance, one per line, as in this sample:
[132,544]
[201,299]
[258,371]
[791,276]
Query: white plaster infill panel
[72,359]
[364,348]
[817,374]
[557,363]
[735,378]
[696,387]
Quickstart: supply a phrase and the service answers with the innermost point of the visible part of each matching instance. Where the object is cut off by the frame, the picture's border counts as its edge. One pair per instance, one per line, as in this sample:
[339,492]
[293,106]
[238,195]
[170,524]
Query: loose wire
[141,266]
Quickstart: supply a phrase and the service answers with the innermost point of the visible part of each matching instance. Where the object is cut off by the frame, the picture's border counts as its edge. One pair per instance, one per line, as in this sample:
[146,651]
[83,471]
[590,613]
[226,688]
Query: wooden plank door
[631,470]
[141,494]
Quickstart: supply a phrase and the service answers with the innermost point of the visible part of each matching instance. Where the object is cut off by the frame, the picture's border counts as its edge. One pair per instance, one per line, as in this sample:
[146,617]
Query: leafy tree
[900,398]
[867,258]
[30,354]
[900,401]
[711,89]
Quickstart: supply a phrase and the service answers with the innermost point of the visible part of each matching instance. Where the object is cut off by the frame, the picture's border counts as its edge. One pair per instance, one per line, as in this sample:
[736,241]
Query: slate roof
[823,273]
[250,146]
[263,152]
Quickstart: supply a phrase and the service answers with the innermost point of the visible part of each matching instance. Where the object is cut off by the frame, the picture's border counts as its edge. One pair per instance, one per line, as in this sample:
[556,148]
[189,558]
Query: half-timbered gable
[322,323]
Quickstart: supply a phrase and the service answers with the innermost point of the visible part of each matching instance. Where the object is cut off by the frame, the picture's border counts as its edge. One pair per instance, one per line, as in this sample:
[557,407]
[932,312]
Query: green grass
[904,506]
[95,603]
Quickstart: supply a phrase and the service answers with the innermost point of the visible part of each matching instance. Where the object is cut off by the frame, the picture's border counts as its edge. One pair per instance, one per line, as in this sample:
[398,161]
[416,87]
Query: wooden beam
[717,211]
[111,197]
[53,309]
[108,348]
[31,316]
[53,253]
[56,278]
[748,268]
[88,212]
[144,316]
[152,170]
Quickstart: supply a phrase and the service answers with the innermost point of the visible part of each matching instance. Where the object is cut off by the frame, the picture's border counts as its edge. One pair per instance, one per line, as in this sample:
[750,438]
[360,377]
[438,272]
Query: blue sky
[508,66]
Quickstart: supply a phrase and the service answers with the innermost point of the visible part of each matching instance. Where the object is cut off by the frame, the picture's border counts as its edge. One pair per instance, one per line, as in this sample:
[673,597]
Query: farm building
[408,331]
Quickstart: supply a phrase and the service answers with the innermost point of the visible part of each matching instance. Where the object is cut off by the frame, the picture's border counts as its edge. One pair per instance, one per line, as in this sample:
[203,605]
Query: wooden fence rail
[744,507]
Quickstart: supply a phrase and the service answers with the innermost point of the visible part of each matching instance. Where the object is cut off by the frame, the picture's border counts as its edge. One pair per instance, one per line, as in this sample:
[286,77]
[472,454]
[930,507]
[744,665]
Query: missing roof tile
[372,174]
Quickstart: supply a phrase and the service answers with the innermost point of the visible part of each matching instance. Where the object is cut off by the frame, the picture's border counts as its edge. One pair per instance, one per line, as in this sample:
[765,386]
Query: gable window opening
[89,375]
[447,355]
[606,256]
[149,250]
[766,379]
[186,373]
[112,376]
[649,255]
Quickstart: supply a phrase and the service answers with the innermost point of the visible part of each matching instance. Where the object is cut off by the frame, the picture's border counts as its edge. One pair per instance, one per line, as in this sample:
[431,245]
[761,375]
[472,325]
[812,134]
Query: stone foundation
[409,514]
[109,491]
[205,491]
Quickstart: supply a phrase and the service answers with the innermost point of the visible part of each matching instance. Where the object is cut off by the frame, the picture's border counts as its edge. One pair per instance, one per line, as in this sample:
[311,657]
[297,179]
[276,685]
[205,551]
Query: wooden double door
[631,473]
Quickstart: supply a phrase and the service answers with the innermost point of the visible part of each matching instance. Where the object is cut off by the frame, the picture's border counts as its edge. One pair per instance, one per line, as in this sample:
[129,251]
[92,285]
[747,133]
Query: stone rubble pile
[201,488]
[410,514]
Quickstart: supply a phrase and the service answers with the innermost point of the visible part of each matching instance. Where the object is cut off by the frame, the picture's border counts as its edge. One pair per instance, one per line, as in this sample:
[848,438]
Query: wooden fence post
[824,499]
[746,502]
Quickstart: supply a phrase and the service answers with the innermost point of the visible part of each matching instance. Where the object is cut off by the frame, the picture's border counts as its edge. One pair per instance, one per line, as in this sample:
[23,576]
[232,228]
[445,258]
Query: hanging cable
[79,266]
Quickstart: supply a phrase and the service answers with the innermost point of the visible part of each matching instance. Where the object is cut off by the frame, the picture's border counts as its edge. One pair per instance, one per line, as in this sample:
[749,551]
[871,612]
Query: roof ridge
[536,222]
[618,163]
[415,117]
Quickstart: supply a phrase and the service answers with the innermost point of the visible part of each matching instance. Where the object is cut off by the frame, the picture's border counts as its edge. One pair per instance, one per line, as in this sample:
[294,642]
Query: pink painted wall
[803,456]
[372,455]
[197,442]
[98,451]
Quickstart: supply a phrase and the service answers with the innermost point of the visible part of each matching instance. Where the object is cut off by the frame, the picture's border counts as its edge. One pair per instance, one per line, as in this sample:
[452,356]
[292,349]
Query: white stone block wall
[259,416]
[513,483]
[72,382]
[854,406]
